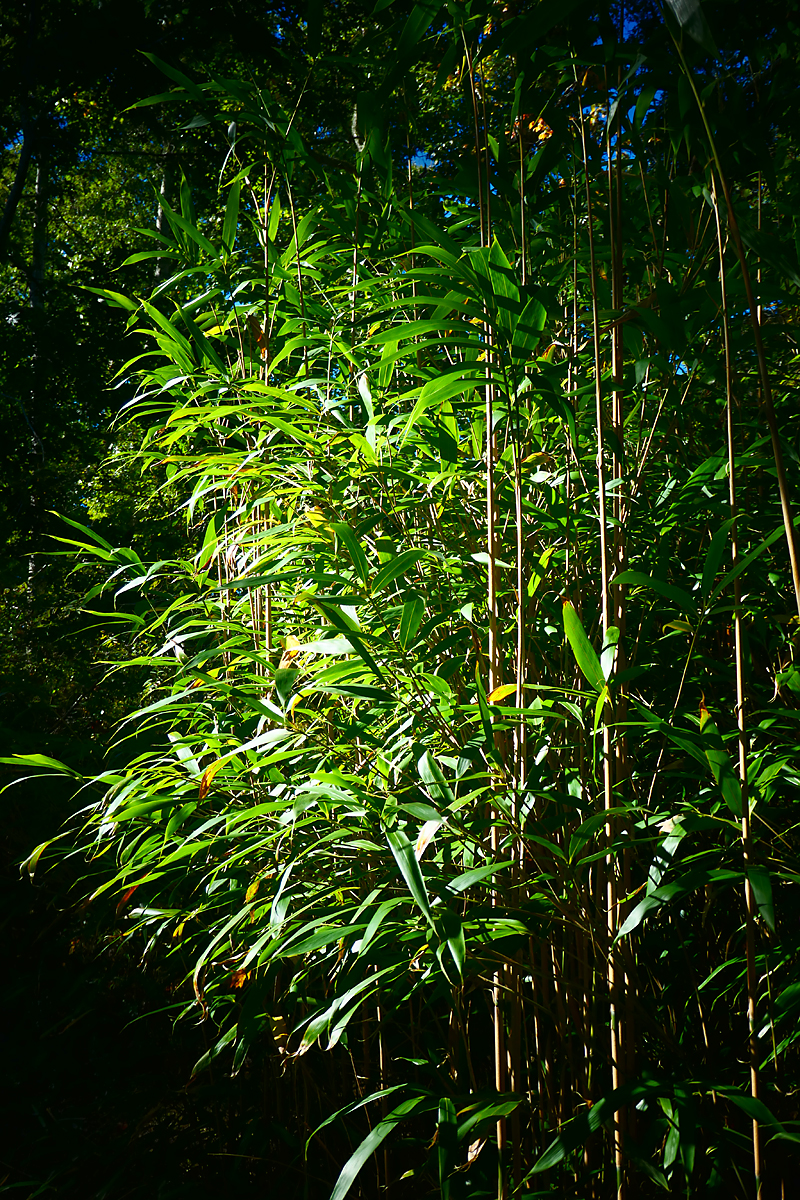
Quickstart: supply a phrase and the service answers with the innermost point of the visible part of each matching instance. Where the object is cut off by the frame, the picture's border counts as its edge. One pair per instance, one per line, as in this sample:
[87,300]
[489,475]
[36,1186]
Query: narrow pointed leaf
[720,762]
[582,648]
[403,851]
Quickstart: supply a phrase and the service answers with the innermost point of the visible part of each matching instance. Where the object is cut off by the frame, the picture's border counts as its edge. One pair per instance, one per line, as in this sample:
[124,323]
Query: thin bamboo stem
[750,905]
[300,287]
[763,371]
[608,799]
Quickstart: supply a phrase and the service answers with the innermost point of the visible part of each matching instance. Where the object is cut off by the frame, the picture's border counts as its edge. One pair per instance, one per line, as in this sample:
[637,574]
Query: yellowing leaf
[252,891]
[542,458]
[208,775]
[475,1149]
[291,648]
[280,1032]
[425,835]
[500,693]
[257,333]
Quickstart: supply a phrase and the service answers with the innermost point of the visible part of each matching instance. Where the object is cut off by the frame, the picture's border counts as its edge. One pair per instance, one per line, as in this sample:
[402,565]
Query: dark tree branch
[17,188]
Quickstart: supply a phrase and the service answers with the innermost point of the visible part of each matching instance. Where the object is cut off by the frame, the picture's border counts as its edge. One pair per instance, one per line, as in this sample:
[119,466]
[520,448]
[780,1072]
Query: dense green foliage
[457,808]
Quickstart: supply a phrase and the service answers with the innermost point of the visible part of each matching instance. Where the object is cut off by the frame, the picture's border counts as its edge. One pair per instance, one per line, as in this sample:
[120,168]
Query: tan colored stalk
[583,1086]
[601,477]
[758,268]
[750,903]
[478,150]
[354,293]
[515,1062]
[627,1038]
[545,1047]
[763,371]
[493,682]
[485,149]
[522,235]
[499,981]
[387,1182]
[300,287]
[267,198]
[516,1083]
[522,589]
[265,606]
[608,799]
[412,259]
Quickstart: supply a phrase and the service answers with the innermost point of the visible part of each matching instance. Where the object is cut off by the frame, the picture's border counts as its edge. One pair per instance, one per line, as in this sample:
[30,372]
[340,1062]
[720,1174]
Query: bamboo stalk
[267,198]
[478,149]
[627,1039]
[750,904]
[520,772]
[763,371]
[382,1076]
[521,729]
[413,260]
[523,243]
[608,799]
[300,287]
[498,982]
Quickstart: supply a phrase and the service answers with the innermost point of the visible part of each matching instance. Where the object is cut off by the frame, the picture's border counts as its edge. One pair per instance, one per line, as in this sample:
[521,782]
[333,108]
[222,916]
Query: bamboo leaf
[399,565]
[668,590]
[173,73]
[499,1105]
[716,549]
[43,761]
[720,763]
[179,222]
[528,329]
[206,780]
[351,543]
[354,1107]
[582,648]
[116,298]
[410,620]
[690,17]
[231,221]
[425,834]
[450,931]
[749,558]
[447,1143]
[577,1131]
[372,1141]
[477,875]
[758,1111]
[376,920]
[214,1052]
[484,710]
[403,851]
[431,774]
[761,884]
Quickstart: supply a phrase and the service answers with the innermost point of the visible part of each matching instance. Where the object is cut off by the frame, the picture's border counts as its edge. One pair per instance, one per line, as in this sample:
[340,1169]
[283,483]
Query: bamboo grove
[460,796]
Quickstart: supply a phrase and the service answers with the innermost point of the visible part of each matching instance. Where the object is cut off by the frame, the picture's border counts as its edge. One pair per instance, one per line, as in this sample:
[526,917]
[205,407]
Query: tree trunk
[38,289]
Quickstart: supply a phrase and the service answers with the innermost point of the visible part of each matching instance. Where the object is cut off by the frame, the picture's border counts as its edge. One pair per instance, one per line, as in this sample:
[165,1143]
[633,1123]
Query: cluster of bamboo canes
[437,787]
